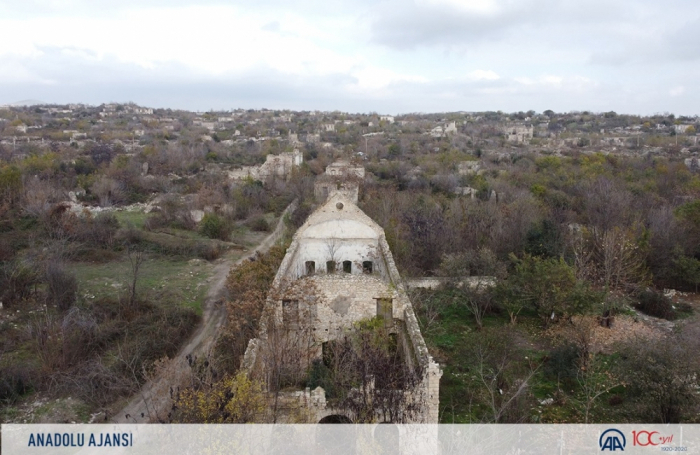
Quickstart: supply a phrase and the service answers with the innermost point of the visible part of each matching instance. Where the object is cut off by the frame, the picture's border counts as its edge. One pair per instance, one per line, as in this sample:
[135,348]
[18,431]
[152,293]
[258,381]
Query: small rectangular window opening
[330,266]
[367,267]
[310,267]
[290,311]
[347,266]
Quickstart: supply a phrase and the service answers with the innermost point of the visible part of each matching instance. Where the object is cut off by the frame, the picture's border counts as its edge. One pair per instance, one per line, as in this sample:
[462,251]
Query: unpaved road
[152,401]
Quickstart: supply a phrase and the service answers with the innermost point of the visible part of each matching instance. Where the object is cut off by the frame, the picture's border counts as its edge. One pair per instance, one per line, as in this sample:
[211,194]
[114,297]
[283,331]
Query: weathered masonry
[339,270]
[340,177]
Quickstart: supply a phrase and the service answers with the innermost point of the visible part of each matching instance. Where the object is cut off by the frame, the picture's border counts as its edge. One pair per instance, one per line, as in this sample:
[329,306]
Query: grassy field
[126,218]
[185,280]
[105,358]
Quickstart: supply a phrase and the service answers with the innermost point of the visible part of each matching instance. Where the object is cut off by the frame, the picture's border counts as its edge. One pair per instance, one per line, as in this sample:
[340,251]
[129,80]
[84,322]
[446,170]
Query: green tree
[546,286]
[10,185]
[688,270]
[215,227]
[394,150]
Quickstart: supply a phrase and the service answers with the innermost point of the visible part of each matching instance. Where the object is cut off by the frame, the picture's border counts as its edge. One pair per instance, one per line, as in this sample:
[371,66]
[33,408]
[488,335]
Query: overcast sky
[389,56]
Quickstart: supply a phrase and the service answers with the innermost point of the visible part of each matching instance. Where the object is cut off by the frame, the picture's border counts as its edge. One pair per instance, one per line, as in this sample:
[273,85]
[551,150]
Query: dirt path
[151,403]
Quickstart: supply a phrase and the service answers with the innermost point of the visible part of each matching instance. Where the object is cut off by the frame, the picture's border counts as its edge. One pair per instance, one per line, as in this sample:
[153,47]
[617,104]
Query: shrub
[660,378]
[98,231]
[16,282]
[320,376]
[214,227]
[259,224]
[209,251]
[234,399]
[15,381]
[616,400]
[300,215]
[655,304]
[172,213]
[61,286]
[563,362]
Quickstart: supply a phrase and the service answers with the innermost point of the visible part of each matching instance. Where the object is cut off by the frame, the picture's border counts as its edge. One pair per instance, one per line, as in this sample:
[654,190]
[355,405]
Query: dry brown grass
[603,339]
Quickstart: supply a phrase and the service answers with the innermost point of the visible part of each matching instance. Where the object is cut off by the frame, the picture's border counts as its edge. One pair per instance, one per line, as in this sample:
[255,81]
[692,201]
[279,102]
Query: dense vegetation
[576,244]
[582,226]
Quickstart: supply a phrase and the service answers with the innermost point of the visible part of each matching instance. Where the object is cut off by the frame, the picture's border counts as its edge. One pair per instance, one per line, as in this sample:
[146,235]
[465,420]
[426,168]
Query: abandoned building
[468,167]
[520,134]
[337,272]
[279,166]
[340,177]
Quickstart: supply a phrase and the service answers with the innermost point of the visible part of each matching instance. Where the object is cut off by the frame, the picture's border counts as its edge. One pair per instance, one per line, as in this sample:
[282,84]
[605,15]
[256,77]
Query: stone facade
[470,282]
[519,133]
[340,177]
[325,187]
[468,167]
[692,163]
[279,166]
[339,270]
[444,130]
[345,169]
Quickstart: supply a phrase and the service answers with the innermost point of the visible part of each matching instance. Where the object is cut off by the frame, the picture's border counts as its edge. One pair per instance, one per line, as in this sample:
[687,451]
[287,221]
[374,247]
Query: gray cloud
[406,26]
[638,57]
[77,78]
[661,45]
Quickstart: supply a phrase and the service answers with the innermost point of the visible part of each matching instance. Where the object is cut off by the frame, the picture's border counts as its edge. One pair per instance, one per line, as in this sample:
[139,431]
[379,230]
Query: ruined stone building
[692,163]
[279,166]
[444,130]
[468,167]
[340,176]
[520,134]
[338,271]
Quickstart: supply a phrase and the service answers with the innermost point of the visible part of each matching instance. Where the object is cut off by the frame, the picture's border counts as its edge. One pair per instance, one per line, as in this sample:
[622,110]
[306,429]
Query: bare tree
[135,260]
[109,191]
[288,338]
[661,377]
[368,378]
[61,285]
[502,379]
[39,196]
[478,301]
[595,380]
[613,258]
[332,247]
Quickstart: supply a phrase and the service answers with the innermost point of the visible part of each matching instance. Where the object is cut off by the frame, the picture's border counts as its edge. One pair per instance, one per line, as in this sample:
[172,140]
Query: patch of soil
[603,339]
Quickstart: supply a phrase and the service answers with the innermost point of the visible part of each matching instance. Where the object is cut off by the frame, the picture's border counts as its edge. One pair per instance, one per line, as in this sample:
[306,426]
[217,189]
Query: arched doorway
[336,439]
[335,418]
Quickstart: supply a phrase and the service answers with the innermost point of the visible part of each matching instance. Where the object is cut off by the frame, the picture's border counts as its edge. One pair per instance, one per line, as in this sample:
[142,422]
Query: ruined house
[468,167]
[444,130]
[337,272]
[520,134]
[275,166]
[340,176]
[692,163]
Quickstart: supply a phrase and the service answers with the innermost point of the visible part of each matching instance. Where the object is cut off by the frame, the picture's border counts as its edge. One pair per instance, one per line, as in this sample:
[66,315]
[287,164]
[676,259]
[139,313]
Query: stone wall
[317,306]
[435,282]
[518,133]
[274,166]
[327,187]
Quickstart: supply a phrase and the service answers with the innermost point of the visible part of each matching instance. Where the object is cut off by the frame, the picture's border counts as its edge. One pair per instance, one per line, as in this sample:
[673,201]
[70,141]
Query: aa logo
[612,440]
